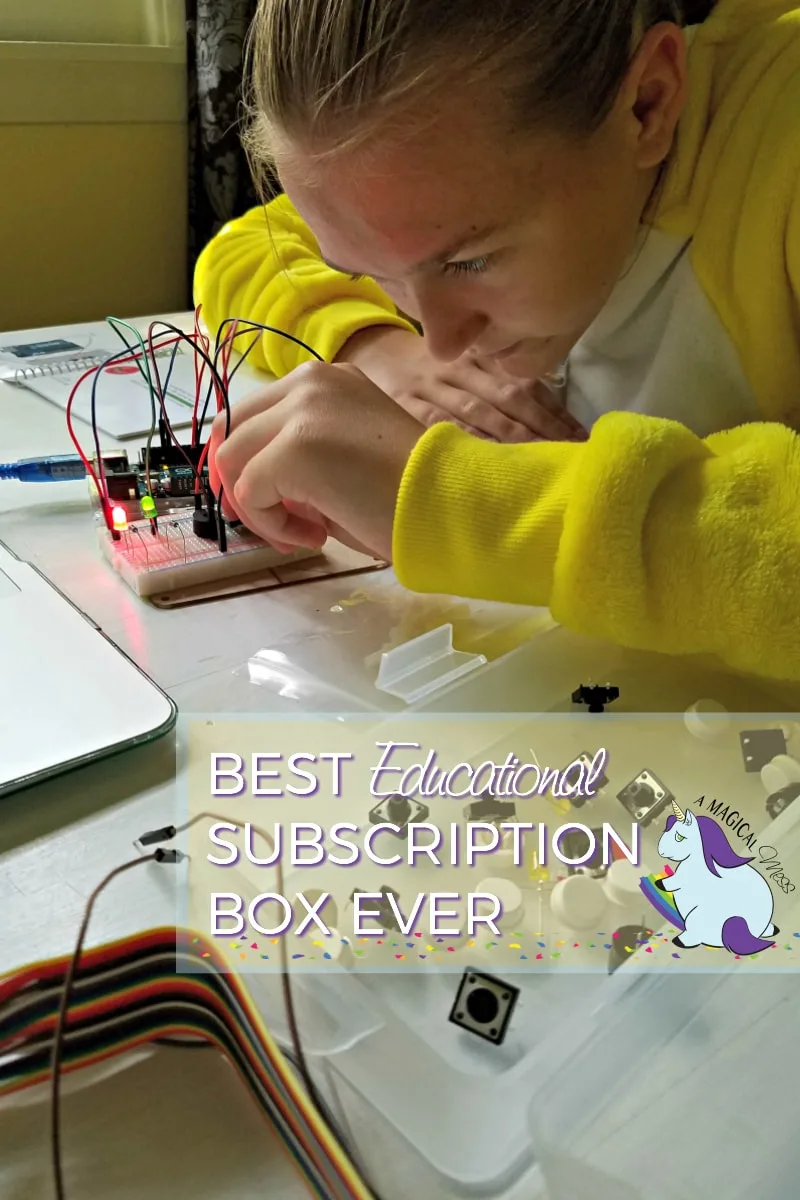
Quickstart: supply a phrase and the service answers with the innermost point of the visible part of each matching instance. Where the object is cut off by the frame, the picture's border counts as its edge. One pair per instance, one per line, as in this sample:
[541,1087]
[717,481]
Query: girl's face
[503,244]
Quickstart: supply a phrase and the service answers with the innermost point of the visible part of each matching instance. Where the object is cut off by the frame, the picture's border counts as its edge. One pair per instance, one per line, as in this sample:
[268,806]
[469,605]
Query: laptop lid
[68,695]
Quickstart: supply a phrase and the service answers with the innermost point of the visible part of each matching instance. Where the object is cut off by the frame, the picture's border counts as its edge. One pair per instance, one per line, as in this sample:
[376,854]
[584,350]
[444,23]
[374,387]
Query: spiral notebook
[49,362]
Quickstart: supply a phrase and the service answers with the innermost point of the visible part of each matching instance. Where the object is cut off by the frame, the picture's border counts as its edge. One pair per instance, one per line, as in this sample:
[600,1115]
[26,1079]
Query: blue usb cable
[55,469]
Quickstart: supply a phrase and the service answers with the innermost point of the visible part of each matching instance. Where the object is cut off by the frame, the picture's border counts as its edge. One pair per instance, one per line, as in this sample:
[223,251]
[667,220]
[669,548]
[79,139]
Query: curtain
[220,187]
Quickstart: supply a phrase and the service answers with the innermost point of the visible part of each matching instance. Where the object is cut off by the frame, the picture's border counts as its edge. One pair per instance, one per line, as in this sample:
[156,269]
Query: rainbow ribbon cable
[131,992]
[662,902]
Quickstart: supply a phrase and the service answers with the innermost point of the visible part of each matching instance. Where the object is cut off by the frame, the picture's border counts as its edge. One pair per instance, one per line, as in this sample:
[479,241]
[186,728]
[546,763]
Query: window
[98,22]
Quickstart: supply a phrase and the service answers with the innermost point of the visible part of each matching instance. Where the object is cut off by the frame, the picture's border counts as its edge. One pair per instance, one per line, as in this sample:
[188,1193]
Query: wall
[93,198]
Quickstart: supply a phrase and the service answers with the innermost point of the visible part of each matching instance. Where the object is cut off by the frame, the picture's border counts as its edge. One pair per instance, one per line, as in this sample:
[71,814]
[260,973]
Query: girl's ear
[689,819]
[655,92]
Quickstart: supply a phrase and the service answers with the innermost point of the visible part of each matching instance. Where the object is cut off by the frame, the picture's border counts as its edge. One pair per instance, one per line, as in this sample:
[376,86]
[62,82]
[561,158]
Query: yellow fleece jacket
[647,534]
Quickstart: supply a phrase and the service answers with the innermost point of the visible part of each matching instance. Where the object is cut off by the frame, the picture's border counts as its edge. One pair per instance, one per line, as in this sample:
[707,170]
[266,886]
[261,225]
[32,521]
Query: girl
[611,186]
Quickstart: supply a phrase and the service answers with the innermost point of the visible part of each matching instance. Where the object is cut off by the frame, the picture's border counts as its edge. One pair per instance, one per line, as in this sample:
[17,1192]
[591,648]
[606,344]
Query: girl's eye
[679,837]
[472,266]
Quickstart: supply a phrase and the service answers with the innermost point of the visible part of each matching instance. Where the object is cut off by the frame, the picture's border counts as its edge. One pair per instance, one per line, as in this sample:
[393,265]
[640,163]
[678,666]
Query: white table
[61,838]
[58,839]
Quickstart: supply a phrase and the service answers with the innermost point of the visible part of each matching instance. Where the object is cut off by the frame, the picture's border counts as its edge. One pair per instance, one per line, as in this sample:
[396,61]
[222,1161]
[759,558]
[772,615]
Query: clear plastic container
[453,1108]
[607,1086]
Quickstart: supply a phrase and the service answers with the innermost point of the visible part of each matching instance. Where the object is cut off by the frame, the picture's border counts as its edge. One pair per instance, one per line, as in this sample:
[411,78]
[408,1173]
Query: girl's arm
[645,535]
[266,267]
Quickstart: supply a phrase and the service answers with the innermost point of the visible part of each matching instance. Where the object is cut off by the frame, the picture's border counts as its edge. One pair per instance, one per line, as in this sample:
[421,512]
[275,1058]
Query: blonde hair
[330,73]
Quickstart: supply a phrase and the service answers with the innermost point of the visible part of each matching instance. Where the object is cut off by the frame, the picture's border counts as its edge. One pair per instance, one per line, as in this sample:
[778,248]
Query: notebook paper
[49,362]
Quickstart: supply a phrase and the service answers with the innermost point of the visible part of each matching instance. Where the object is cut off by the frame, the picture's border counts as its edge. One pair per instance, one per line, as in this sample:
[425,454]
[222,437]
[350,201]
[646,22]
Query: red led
[119,518]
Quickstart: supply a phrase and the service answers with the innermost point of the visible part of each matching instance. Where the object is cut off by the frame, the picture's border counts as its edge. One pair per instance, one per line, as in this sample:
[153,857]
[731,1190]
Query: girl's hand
[320,452]
[475,393]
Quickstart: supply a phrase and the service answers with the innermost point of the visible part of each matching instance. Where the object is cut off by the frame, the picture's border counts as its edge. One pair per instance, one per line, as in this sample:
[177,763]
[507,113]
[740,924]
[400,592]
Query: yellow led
[119,518]
[538,873]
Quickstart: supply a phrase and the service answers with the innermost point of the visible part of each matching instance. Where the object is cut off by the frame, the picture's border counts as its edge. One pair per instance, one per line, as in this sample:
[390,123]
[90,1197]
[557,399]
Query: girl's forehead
[410,196]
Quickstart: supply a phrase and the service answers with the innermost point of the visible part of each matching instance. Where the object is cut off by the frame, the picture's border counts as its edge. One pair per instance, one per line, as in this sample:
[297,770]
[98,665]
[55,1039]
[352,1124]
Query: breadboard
[177,568]
[176,558]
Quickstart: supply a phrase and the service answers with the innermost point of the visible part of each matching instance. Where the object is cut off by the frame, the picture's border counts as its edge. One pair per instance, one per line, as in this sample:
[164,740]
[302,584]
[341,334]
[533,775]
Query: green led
[148,506]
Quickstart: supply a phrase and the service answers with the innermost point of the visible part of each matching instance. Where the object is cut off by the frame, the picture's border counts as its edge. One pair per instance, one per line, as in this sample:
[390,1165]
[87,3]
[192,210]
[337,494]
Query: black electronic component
[123,486]
[781,799]
[400,811]
[204,524]
[645,797]
[386,914]
[484,1005]
[488,808]
[576,799]
[625,942]
[596,696]
[588,761]
[164,457]
[760,746]
[575,844]
[153,836]
[169,856]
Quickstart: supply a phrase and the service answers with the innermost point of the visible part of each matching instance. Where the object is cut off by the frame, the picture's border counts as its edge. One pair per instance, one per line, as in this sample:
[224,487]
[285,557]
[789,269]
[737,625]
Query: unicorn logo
[720,898]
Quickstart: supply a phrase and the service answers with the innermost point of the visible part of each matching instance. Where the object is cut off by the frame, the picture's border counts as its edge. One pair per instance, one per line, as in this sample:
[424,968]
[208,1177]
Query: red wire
[199,371]
[102,490]
[226,357]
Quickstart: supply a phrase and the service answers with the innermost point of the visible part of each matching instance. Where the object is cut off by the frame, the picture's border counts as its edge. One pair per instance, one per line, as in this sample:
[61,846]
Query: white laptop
[68,695]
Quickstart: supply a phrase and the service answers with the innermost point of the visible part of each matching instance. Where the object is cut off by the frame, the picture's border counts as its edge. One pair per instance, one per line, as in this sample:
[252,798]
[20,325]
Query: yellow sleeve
[266,267]
[645,535]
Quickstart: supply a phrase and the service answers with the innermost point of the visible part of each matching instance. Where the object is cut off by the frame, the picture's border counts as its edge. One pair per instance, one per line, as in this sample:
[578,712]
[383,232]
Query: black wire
[162,397]
[217,351]
[140,966]
[113,322]
[112,358]
[58,1040]
[165,389]
[222,540]
[136,1020]
[249,326]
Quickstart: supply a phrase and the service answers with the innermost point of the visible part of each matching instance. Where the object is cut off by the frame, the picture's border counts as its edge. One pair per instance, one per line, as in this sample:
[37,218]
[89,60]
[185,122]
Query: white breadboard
[177,559]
